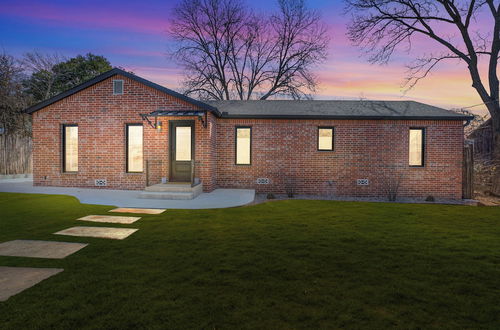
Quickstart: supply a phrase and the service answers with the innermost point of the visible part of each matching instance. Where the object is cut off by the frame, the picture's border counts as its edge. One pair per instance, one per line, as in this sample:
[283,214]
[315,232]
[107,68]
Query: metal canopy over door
[181,149]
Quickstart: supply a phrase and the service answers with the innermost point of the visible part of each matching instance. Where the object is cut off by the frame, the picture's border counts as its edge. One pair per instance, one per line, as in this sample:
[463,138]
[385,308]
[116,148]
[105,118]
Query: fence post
[468,171]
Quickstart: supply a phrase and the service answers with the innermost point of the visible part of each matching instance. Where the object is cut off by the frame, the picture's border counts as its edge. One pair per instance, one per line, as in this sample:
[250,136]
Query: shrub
[290,186]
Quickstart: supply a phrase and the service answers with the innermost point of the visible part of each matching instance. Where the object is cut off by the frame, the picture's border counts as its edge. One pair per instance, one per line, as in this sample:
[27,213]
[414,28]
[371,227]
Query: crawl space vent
[363,182]
[101,182]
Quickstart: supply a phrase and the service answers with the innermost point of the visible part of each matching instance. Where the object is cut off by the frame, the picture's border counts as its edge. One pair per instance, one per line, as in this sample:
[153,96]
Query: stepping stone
[139,211]
[99,232]
[17,279]
[110,219]
[39,249]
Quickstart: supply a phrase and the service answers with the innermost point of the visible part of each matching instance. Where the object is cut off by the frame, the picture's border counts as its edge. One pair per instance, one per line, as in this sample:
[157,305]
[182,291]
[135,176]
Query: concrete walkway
[39,249]
[17,279]
[219,198]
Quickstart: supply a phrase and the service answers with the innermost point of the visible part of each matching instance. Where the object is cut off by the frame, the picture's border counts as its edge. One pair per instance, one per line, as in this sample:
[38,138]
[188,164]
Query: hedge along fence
[15,154]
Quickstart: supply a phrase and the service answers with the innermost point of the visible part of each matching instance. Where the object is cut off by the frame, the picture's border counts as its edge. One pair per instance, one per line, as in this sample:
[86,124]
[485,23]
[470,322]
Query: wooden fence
[15,154]
[483,140]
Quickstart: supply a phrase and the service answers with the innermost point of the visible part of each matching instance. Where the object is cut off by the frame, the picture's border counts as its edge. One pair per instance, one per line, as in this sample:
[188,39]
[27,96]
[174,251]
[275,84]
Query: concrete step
[172,191]
[166,195]
[172,187]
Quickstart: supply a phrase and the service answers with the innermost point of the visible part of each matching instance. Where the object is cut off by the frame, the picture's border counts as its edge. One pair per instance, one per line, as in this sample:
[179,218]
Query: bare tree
[12,100]
[381,26]
[476,121]
[229,52]
[41,66]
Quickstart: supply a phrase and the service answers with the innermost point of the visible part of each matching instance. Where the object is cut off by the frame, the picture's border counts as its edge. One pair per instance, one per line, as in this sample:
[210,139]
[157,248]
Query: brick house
[120,131]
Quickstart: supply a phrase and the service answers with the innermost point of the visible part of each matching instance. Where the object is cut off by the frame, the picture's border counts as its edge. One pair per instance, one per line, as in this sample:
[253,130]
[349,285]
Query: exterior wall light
[159,126]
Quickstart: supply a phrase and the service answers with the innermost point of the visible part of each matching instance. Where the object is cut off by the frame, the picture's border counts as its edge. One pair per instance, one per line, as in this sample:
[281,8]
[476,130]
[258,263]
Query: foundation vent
[101,183]
[263,181]
[363,182]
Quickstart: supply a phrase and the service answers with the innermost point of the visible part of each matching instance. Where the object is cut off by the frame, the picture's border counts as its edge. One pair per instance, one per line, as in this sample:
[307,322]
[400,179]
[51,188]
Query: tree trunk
[495,189]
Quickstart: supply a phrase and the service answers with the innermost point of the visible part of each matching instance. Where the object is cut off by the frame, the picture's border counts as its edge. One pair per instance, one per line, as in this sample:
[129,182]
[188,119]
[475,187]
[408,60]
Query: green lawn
[284,264]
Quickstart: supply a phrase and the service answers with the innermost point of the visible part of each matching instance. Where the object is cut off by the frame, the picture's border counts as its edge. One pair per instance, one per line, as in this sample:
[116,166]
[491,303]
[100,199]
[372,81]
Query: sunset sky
[132,34]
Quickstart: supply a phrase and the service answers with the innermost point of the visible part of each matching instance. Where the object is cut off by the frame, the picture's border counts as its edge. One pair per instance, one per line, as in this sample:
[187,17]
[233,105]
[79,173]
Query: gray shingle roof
[332,109]
[306,109]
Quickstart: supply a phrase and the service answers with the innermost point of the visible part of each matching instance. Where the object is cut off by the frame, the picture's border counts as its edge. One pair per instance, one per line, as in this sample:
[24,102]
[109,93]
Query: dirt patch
[484,200]
[484,171]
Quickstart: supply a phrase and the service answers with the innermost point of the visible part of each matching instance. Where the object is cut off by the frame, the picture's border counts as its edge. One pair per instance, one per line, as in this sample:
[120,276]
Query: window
[243,145]
[416,147]
[134,148]
[70,148]
[325,138]
[117,87]
[183,143]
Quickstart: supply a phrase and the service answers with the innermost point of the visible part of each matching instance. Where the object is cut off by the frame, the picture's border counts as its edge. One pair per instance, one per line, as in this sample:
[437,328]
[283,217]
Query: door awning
[201,114]
[167,113]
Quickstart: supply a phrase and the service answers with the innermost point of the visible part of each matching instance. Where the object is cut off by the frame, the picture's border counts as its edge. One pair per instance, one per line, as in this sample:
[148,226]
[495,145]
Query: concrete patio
[219,198]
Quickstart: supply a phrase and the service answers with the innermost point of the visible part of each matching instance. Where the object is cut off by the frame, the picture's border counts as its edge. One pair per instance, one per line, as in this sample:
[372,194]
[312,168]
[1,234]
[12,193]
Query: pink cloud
[168,77]
[133,52]
[448,87]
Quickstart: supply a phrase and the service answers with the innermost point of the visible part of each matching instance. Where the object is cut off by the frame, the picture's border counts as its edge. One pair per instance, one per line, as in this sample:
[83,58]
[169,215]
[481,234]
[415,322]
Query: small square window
[117,87]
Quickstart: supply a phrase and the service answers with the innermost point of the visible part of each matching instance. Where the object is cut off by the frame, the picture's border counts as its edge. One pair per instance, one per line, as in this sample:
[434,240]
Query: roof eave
[345,117]
[71,91]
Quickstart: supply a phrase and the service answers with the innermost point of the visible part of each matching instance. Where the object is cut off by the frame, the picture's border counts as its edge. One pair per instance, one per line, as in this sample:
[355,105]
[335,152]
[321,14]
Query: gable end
[112,73]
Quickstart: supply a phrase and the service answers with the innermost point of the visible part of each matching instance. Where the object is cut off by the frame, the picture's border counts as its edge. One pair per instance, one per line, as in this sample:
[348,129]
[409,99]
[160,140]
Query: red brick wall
[101,119]
[285,151]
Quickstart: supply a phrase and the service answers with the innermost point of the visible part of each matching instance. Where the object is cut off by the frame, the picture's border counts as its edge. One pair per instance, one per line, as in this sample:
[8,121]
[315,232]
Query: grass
[286,264]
